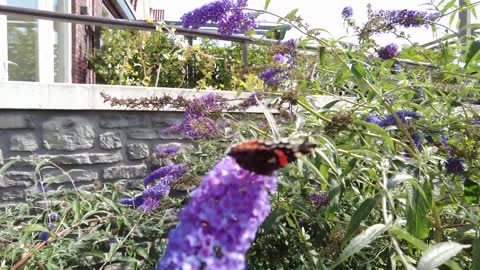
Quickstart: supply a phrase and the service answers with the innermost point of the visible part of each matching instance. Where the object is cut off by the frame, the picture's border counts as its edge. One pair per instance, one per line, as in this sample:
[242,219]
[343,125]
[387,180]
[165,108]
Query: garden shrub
[394,181]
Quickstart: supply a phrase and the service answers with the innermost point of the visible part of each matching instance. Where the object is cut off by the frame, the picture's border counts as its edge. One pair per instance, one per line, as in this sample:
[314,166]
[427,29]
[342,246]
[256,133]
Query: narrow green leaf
[267,3]
[358,71]
[476,254]
[402,234]
[360,215]
[472,52]
[359,242]
[35,228]
[7,165]
[418,223]
[471,192]
[291,15]
[76,210]
[322,55]
[438,254]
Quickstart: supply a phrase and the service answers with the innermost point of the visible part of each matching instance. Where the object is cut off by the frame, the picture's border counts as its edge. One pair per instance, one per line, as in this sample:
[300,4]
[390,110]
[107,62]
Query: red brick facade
[83,39]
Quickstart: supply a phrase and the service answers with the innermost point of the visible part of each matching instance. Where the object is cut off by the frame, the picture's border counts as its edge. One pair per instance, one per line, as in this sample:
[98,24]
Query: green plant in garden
[394,183]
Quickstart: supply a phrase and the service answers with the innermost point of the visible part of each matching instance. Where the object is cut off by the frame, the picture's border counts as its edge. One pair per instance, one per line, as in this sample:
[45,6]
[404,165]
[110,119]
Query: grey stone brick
[152,134]
[23,142]
[110,140]
[16,179]
[125,172]
[10,121]
[119,121]
[57,176]
[68,133]
[137,151]
[84,158]
[12,194]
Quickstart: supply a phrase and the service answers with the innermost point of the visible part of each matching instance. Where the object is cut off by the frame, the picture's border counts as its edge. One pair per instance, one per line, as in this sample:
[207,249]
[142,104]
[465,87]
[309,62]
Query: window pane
[22,44]
[61,44]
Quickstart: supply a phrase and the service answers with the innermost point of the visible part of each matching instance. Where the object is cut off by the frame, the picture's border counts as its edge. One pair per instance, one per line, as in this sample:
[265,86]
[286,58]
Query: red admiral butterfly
[265,158]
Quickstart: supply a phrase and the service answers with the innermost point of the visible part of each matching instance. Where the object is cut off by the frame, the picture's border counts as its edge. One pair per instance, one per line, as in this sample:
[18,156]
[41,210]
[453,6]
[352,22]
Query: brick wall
[83,39]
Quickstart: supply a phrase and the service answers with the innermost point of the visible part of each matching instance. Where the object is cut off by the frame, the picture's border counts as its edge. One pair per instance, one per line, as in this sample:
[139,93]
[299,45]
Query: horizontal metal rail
[121,23]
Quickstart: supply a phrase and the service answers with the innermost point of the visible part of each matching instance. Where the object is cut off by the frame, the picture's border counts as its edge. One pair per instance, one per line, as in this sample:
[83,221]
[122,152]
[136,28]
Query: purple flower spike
[454,166]
[372,118]
[347,12]
[220,221]
[388,52]
[321,199]
[227,13]
[53,216]
[167,150]
[44,236]
[178,169]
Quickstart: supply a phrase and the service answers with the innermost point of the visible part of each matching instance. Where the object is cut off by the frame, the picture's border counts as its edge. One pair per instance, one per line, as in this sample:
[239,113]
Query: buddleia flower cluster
[284,60]
[384,21]
[389,120]
[220,221]
[228,14]
[157,185]
[388,52]
[202,117]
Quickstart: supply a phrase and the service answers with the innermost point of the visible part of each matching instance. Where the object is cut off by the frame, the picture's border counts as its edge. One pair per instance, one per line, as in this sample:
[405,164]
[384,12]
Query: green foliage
[158,59]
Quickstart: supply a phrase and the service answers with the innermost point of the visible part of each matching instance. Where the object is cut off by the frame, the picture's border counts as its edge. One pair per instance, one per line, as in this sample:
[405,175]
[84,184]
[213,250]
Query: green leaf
[438,254]
[360,215]
[7,165]
[471,192]
[322,55]
[398,179]
[380,131]
[35,228]
[418,223]
[76,210]
[476,254]
[359,242]
[472,52]
[402,234]
[267,3]
[291,15]
[358,71]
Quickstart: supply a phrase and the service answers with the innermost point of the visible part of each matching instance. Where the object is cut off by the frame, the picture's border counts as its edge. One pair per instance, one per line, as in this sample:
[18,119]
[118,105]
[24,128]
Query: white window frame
[45,41]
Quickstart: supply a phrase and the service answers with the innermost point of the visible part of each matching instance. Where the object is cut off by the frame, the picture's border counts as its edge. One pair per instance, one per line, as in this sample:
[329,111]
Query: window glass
[22,38]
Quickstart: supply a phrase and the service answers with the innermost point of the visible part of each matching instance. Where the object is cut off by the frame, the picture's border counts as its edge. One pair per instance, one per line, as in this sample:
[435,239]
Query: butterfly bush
[347,12]
[389,120]
[157,186]
[221,219]
[284,60]
[388,52]
[228,14]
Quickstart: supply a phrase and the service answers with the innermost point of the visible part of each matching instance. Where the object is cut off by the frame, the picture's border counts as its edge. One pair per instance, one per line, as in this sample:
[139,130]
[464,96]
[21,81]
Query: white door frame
[3,46]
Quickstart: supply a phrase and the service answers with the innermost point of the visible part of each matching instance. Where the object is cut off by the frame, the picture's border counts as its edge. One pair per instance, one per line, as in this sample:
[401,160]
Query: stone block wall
[92,145]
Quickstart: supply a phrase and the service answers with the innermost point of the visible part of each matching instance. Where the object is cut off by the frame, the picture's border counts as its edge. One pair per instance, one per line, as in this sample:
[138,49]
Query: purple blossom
[454,166]
[407,18]
[178,169]
[149,204]
[347,12]
[53,216]
[475,123]
[44,236]
[167,150]
[388,52]
[252,100]
[372,118]
[51,226]
[279,58]
[158,183]
[201,127]
[227,13]
[444,140]
[320,199]
[272,76]
[211,12]
[200,117]
[220,221]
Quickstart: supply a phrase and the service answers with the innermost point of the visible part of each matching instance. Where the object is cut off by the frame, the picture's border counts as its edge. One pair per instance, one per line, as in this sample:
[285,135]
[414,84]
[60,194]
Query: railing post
[244,54]
[465,26]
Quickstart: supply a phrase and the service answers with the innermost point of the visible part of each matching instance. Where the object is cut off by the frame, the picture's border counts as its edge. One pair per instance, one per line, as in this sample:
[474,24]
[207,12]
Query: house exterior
[53,51]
